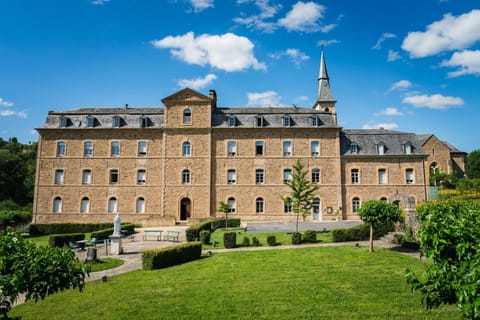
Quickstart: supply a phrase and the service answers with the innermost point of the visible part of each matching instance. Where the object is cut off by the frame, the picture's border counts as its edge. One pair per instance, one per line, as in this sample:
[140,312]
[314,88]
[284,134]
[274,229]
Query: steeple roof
[324,92]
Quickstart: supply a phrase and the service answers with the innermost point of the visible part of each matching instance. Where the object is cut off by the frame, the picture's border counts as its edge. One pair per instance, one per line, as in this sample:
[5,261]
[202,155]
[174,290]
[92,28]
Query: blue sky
[405,65]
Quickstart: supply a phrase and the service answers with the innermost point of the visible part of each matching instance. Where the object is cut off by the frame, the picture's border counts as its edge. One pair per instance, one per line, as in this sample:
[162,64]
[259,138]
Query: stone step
[390,237]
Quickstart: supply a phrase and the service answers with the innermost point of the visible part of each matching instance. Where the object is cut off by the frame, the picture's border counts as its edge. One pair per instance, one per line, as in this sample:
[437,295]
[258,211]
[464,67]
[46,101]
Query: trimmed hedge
[105,233]
[193,232]
[60,240]
[296,238]
[230,240]
[413,245]
[220,223]
[360,232]
[171,256]
[272,240]
[205,237]
[310,236]
[63,228]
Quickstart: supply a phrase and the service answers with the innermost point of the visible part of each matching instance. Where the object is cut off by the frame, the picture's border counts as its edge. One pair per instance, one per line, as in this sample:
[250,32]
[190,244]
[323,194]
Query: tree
[225,209]
[302,192]
[35,271]
[450,239]
[376,213]
[473,164]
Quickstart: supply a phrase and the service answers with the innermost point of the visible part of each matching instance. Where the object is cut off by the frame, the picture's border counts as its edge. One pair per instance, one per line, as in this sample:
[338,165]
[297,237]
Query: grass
[282,238]
[307,283]
[105,264]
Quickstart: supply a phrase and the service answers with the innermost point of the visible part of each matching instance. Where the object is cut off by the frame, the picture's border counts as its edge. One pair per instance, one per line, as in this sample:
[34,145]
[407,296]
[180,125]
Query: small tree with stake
[302,192]
[376,213]
[225,209]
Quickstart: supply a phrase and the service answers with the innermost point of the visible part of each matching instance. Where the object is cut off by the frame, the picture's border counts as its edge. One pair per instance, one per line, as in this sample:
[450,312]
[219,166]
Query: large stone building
[160,166]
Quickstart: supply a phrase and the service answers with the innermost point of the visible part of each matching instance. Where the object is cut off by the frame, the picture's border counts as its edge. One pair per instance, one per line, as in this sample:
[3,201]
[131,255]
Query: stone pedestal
[116,244]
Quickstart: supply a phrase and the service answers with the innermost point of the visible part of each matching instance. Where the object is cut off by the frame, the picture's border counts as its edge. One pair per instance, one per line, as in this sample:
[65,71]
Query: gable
[186,96]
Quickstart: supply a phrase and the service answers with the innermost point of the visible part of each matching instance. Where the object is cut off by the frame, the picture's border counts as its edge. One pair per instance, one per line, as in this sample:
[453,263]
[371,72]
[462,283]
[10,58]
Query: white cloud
[200,5]
[9,112]
[385,125]
[227,52]
[435,101]
[384,37]
[197,83]
[393,56]
[258,21]
[4,103]
[295,55]
[467,61]
[400,85]
[264,99]
[326,43]
[450,33]
[304,17]
[389,112]
[99,2]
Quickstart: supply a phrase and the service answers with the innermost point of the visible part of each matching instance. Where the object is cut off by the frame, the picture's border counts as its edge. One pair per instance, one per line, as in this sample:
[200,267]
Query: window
[140,207]
[355,205]
[354,148]
[355,176]
[316,175]
[259,205]
[232,121]
[382,176]
[407,148]
[315,148]
[185,176]
[186,149]
[434,168]
[143,122]
[112,205]
[259,148]
[380,149]
[115,148]
[88,149]
[316,205]
[259,176]
[63,122]
[287,206]
[314,122]
[141,176]
[383,199]
[287,148]
[86,176]
[57,205]
[117,122]
[142,148]
[85,205]
[286,121]
[90,122]
[59,176]
[61,147]
[187,116]
[231,205]
[409,175]
[231,176]
[231,148]
[259,121]
[113,176]
[287,175]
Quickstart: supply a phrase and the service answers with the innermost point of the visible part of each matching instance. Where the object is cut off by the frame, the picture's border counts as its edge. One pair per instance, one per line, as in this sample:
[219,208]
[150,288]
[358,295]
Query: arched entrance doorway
[185,208]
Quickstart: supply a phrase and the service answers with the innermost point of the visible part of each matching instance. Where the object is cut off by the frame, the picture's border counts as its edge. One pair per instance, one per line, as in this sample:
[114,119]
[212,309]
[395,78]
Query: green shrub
[14,218]
[220,223]
[360,232]
[62,228]
[398,238]
[296,238]
[166,257]
[272,240]
[255,242]
[230,240]
[246,241]
[310,236]
[193,232]
[205,236]
[105,233]
[60,240]
[413,245]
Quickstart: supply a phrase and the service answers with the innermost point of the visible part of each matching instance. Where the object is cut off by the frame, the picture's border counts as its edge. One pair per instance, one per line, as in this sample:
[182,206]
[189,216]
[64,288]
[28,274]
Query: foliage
[302,192]
[360,232]
[468,185]
[450,239]
[225,209]
[56,228]
[446,180]
[255,242]
[171,256]
[60,240]
[272,240]
[35,271]
[296,238]
[193,233]
[205,236]
[310,236]
[221,223]
[230,240]
[376,213]
[473,165]
[12,218]
[105,233]
[246,241]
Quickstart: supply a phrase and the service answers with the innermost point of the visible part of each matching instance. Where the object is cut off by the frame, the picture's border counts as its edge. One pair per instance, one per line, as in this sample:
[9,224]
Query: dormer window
[63,122]
[381,148]
[314,122]
[286,121]
[259,121]
[407,147]
[187,116]
[143,122]
[117,122]
[354,148]
[90,122]
[232,121]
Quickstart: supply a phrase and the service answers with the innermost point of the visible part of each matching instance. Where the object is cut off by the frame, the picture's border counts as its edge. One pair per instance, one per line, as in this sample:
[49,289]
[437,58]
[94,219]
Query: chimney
[213,96]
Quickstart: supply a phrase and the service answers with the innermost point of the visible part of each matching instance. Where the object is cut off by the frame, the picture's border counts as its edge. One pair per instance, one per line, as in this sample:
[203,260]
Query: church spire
[325,101]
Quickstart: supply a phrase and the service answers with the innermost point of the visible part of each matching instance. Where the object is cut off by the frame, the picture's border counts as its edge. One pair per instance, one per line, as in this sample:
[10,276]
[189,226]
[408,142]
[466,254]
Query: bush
[167,257]
[360,232]
[105,233]
[246,241]
[272,240]
[60,240]
[413,245]
[193,233]
[310,236]
[205,236]
[57,228]
[255,242]
[230,240]
[296,238]
[220,223]
[14,218]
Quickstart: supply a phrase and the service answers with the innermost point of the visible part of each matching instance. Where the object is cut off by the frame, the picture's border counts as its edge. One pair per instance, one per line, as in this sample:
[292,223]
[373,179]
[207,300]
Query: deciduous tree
[473,164]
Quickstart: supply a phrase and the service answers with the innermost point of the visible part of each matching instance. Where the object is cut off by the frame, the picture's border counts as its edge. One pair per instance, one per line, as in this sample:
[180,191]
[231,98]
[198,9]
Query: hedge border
[171,256]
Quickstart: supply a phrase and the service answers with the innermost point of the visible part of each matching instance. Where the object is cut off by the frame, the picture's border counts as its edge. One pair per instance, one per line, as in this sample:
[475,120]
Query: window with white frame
[315,148]
[141,176]
[232,206]
[186,176]
[259,148]
[316,175]
[286,121]
[231,176]
[87,176]
[259,176]
[408,148]
[186,149]
[57,205]
[63,121]
[381,149]
[232,121]
[115,148]
[143,121]
[259,205]
[112,205]
[287,148]
[61,147]
[231,148]
[355,175]
[88,149]
[90,122]
[355,205]
[117,121]
[85,205]
[259,121]
[409,176]
[187,116]
[287,175]
[113,176]
[314,122]
[140,206]
[59,176]
[142,148]
[382,176]
[354,148]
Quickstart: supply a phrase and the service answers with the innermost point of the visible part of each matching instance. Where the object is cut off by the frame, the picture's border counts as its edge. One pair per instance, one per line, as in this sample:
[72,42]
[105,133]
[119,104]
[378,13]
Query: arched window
[112,205]
[315,148]
[186,149]
[383,199]
[316,175]
[90,122]
[259,205]
[57,205]
[186,176]
[61,147]
[142,148]
[187,116]
[88,149]
[85,205]
[140,207]
[231,205]
[355,205]
[434,168]
[115,150]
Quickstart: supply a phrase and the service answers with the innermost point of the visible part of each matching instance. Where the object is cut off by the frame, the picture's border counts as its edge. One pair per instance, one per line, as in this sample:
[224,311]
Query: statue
[117,225]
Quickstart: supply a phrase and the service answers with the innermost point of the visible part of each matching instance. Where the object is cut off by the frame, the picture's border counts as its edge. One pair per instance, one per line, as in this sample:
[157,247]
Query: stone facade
[159,166]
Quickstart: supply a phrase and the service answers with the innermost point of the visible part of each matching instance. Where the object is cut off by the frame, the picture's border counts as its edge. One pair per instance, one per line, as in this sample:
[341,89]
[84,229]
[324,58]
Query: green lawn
[307,283]
[105,264]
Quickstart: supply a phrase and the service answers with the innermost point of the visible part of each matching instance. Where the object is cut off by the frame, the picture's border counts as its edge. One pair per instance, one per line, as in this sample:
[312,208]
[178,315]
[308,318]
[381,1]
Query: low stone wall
[146,220]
